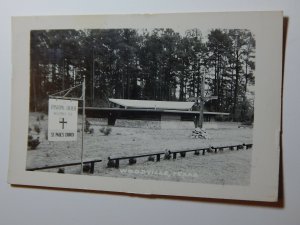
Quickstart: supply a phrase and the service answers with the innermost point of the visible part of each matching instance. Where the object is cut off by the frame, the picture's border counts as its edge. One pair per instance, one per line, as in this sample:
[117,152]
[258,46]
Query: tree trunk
[236,87]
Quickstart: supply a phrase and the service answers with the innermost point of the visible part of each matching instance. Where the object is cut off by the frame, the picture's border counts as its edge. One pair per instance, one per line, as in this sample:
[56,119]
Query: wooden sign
[62,120]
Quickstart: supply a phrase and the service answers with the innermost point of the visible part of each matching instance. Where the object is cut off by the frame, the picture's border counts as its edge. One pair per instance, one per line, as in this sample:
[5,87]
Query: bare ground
[228,167]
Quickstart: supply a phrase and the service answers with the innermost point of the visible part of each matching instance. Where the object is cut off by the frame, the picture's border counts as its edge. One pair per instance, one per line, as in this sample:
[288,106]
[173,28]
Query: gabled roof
[149,104]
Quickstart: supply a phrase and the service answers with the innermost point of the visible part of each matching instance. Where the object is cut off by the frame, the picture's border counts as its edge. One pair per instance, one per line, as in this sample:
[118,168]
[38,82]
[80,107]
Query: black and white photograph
[152,102]
[159,104]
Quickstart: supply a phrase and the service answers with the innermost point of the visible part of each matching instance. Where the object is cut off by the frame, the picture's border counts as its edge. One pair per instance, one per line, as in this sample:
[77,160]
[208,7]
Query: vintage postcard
[181,104]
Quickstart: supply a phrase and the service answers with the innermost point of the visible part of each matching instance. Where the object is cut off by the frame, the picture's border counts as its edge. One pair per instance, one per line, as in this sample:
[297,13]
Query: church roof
[150,104]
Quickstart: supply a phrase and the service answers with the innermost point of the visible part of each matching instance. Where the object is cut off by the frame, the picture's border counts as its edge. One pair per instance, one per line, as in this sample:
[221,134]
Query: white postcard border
[267,28]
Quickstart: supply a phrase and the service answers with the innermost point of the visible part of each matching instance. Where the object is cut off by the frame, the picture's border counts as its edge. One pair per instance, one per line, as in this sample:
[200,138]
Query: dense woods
[156,64]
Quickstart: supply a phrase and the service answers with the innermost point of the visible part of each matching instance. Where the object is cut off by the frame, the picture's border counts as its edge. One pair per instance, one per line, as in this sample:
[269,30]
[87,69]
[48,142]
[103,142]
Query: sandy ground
[228,167]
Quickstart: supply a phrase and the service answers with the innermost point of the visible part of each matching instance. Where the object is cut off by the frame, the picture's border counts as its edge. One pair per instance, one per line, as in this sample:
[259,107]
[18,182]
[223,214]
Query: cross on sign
[63,122]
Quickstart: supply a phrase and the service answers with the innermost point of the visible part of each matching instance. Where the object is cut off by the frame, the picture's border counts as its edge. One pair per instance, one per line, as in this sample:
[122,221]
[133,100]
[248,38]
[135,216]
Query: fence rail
[90,162]
[114,162]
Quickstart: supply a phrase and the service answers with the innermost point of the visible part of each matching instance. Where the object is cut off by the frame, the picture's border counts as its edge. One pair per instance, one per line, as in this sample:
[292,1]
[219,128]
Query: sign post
[63,115]
[83,121]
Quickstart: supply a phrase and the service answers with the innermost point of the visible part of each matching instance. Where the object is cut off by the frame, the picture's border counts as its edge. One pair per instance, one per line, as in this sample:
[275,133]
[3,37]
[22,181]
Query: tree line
[156,64]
